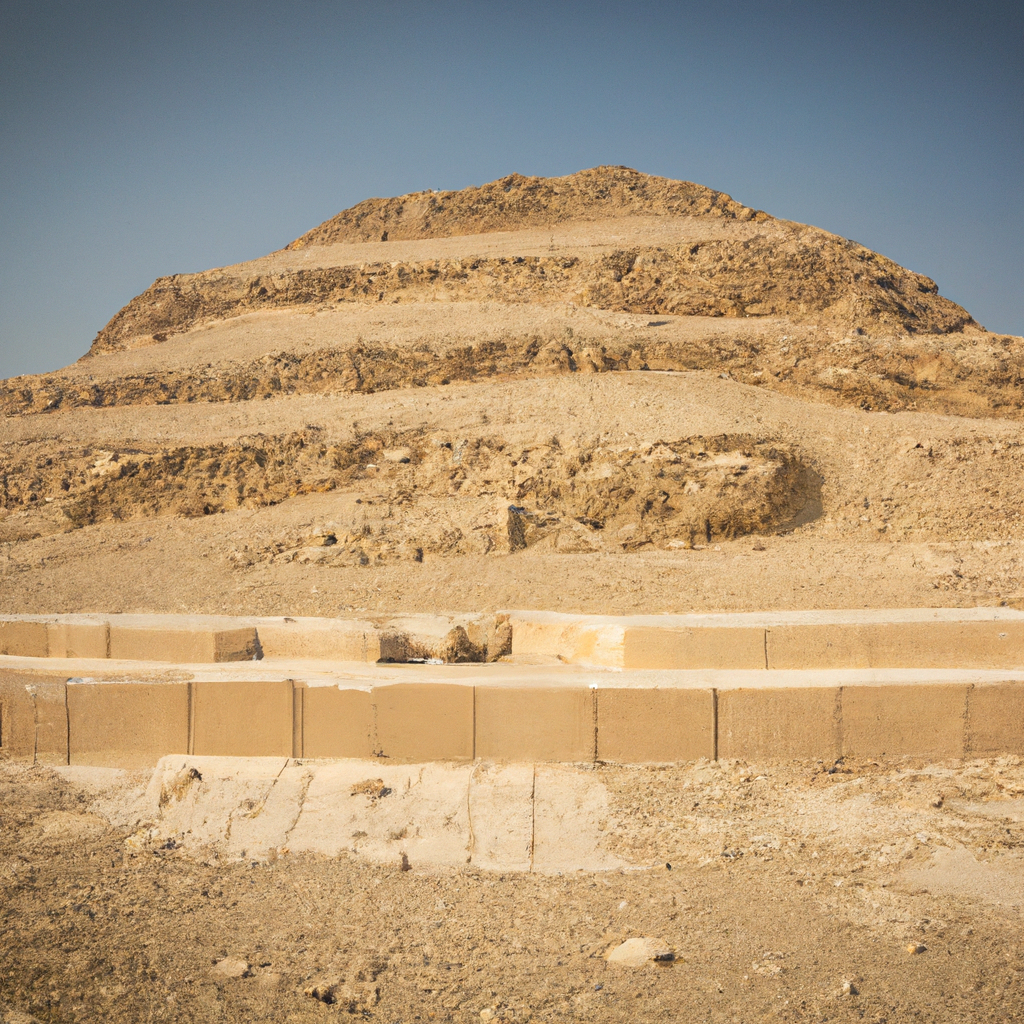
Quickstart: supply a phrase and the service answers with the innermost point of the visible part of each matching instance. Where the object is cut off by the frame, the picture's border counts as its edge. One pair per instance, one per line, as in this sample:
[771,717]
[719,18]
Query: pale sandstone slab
[261,831]
[423,721]
[780,723]
[636,726]
[501,816]
[958,872]
[571,822]
[709,647]
[243,719]
[381,811]
[908,644]
[126,725]
[894,720]
[532,723]
[416,816]
[198,800]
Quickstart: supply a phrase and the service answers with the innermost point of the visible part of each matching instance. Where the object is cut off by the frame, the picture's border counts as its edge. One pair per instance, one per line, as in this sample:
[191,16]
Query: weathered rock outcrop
[517,202]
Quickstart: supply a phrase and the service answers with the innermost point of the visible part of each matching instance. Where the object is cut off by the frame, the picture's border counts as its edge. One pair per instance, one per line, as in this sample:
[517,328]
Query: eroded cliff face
[969,374]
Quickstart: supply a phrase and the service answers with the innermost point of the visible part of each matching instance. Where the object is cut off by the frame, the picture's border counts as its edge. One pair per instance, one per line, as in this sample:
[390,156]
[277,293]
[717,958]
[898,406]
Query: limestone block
[779,723]
[199,645]
[126,725]
[920,644]
[819,645]
[925,720]
[319,639]
[531,723]
[556,640]
[637,726]
[538,640]
[259,833]
[78,639]
[423,721]
[739,647]
[23,638]
[637,952]
[995,719]
[199,800]
[450,638]
[51,722]
[33,717]
[335,722]
[242,719]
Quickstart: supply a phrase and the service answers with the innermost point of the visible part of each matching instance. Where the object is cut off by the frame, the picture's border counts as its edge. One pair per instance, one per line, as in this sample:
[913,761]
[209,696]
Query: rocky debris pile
[355,989]
[973,373]
[424,492]
[822,316]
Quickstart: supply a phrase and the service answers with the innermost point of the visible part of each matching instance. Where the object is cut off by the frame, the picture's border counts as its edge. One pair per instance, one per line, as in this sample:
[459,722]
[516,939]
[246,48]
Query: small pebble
[230,967]
[916,947]
[639,951]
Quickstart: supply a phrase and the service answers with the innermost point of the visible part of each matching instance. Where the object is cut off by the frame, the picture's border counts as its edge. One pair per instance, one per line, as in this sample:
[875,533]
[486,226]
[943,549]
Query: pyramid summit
[517,202]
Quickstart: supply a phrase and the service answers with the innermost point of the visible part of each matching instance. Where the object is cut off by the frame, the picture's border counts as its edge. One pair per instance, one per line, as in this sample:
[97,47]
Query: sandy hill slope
[606,392]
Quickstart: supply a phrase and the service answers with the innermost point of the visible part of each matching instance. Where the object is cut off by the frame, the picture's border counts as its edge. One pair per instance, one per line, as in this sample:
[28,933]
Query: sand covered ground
[802,892]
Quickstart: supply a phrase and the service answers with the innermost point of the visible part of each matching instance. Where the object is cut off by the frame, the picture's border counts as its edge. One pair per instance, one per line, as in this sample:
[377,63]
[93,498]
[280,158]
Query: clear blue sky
[142,139]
